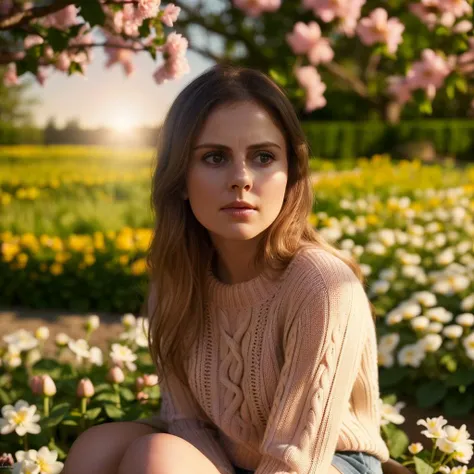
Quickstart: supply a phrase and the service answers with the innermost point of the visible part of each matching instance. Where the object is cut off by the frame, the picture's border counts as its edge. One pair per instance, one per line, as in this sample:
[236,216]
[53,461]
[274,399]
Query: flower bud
[415,448]
[92,323]
[142,397]
[115,375]
[150,380]
[128,320]
[85,389]
[6,460]
[42,333]
[48,387]
[139,383]
[62,339]
[36,384]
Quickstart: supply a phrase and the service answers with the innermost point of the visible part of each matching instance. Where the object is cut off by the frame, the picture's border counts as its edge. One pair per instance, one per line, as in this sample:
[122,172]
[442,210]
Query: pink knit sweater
[284,374]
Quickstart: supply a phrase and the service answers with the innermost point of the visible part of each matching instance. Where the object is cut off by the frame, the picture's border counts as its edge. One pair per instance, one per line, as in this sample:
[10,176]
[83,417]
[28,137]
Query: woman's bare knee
[100,448]
[162,453]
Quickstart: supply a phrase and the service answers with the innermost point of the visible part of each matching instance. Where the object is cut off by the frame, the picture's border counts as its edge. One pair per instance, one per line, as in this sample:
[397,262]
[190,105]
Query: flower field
[75,224]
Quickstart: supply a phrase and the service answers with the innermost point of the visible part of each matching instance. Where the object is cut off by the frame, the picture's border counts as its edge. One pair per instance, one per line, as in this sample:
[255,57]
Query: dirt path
[70,323]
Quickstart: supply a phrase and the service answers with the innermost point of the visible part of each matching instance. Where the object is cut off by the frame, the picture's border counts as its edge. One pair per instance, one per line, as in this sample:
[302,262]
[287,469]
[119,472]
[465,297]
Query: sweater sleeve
[322,352]
[186,419]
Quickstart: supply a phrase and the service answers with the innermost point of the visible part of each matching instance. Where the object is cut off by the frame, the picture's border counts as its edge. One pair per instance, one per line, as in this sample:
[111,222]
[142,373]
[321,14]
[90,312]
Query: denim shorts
[347,462]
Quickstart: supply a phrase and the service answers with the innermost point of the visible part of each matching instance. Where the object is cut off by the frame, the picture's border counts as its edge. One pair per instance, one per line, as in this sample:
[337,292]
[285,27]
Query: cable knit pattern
[284,374]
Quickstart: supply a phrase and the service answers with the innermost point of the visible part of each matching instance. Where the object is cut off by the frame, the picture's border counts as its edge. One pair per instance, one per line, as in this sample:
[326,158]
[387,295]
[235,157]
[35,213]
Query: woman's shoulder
[314,267]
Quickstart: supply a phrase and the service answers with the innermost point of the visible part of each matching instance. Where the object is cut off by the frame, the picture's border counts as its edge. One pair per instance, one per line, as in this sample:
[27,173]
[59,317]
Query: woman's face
[240,154]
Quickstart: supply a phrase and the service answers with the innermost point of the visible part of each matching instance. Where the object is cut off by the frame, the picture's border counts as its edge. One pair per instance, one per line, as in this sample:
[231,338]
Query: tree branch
[20,18]
[340,72]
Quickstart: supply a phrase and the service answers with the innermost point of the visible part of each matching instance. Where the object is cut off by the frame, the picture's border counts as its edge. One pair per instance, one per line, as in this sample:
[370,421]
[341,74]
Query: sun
[122,123]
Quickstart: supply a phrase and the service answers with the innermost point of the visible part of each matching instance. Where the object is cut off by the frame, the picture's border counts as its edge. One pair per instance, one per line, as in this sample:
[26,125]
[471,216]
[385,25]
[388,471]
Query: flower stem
[25,442]
[46,406]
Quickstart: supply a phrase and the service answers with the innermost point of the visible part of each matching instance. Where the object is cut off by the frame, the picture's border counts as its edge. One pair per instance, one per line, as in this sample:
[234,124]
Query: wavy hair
[181,249]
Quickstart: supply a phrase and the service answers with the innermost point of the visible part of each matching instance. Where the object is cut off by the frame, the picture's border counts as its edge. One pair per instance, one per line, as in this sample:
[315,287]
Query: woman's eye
[267,158]
[212,155]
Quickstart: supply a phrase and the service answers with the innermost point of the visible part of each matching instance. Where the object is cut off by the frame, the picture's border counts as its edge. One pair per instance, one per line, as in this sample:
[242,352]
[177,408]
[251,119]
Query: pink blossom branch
[20,18]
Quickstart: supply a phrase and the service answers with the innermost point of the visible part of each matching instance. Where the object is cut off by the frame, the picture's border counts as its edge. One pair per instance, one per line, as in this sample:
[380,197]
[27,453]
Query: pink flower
[32,40]
[306,39]
[62,19]
[457,7]
[425,14]
[347,11]
[176,45]
[115,375]
[254,8]
[171,69]
[85,389]
[310,80]
[170,14]
[148,8]
[118,52]
[10,78]
[377,28]
[63,62]
[463,27]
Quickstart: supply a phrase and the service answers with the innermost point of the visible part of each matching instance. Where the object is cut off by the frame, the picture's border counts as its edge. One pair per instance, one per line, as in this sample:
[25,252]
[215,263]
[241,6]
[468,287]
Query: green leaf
[278,77]
[460,377]
[92,12]
[422,467]
[461,85]
[57,414]
[93,413]
[458,405]
[127,394]
[425,107]
[392,377]
[70,423]
[113,412]
[107,397]
[397,443]
[450,91]
[4,398]
[430,394]
[57,39]
[449,362]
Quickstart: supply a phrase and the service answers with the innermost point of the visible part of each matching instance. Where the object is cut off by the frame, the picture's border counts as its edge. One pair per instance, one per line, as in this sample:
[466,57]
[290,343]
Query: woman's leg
[100,449]
[162,453]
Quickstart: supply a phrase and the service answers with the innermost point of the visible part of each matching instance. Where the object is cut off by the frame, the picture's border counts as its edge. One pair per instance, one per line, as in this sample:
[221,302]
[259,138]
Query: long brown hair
[181,249]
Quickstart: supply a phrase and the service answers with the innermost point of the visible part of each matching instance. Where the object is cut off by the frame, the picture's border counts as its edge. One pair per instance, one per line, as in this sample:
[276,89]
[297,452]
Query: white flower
[468,343]
[430,342]
[391,413]
[467,304]
[420,323]
[92,323]
[385,359]
[96,356]
[411,354]
[426,298]
[465,319]
[128,320]
[44,459]
[409,310]
[439,314]
[42,333]
[20,418]
[393,317]
[389,342]
[434,427]
[445,257]
[453,440]
[463,453]
[415,448]
[388,274]
[62,339]
[80,348]
[435,327]
[12,357]
[453,331]
[23,340]
[26,467]
[459,470]
[123,355]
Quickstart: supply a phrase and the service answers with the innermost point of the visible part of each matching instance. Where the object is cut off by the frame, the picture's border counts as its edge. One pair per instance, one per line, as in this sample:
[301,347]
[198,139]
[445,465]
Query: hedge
[355,139]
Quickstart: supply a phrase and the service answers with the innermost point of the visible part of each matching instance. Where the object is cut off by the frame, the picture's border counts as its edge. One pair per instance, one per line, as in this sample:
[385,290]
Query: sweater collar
[244,294]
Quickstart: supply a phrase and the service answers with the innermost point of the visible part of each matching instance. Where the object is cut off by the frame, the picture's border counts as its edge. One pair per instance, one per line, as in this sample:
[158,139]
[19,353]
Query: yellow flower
[124,259]
[89,259]
[9,250]
[372,219]
[30,241]
[62,257]
[5,199]
[138,267]
[22,259]
[56,269]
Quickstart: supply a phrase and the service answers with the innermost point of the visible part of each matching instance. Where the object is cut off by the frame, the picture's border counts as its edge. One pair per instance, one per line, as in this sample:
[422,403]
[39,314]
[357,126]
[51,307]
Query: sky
[107,97]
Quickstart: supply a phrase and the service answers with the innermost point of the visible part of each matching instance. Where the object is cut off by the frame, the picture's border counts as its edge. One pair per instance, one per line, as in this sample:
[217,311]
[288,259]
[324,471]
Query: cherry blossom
[306,39]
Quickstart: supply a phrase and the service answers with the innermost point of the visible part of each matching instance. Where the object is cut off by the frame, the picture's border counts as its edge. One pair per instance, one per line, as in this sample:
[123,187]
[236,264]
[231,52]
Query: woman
[262,333]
